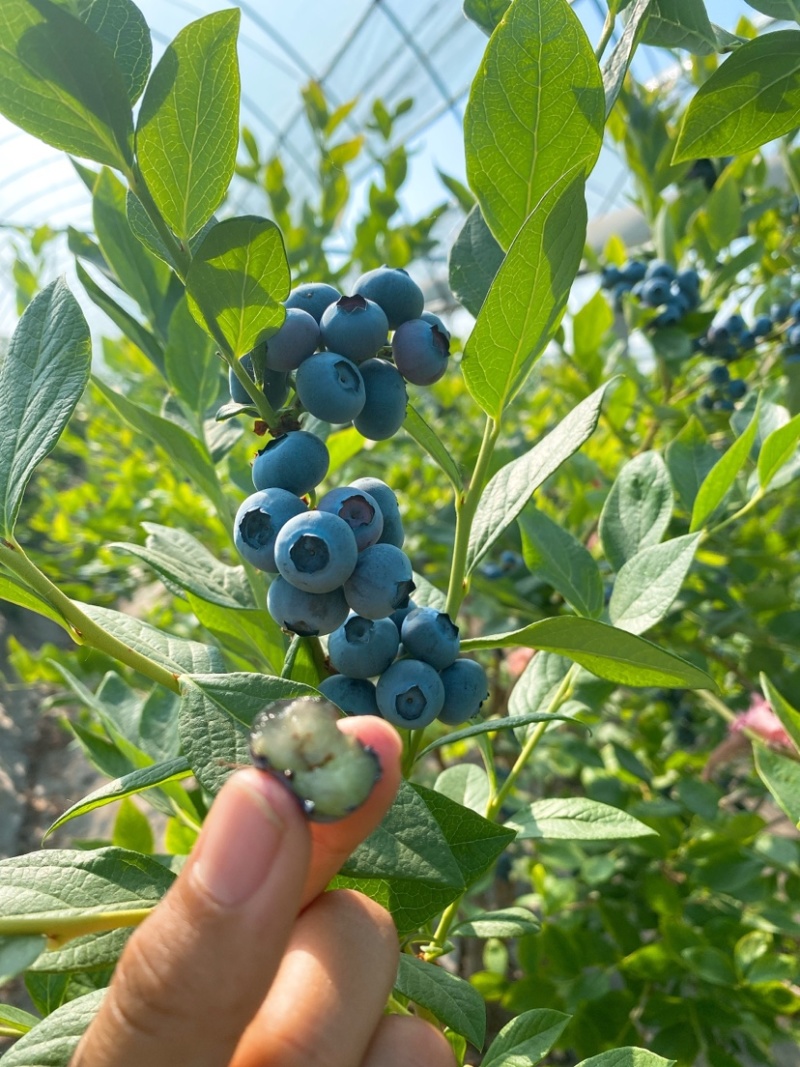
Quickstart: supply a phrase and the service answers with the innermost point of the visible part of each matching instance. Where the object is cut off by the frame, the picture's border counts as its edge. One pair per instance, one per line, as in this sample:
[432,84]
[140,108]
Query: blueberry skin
[392,523]
[688,281]
[431,636]
[633,271]
[735,325]
[719,375]
[359,510]
[330,387]
[655,292]
[362,648]
[762,326]
[737,388]
[657,268]
[386,400]
[296,461]
[794,310]
[670,316]
[410,694]
[355,696]
[398,616]
[381,582]
[394,291]
[313,297]
[747,341]
[465,689]
[316,552]
[295,341]
[420,351]
[305,614]
[434,320]
[355,327]
[276,385]
[793,336]
[611,276]
[258,522]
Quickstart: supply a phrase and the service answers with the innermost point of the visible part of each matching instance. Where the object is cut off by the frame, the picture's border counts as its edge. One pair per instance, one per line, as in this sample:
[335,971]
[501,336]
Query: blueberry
[431,636]
[465,689]
[330,387]
[793,336]
[362,648]
[420,351]
[670,316]
[410,694]
[723,404]
[794,310]
[355,327]
[305,614]
[401,613]
[296,461]
[510,561]
[359,510]
[393,290]
[688,281]
[737,388]
[735,325]
[655,292]
[779,313]
[610,277]
[355,696]
[682,299]
[707,402]
[295,341]
[762,326]
[747,341]
[719,375]
[313,297]
[633,271]
[276,385]
[658,268]
[381,582]
[492,571]
[620,289]
[386,400]
[259,521]
[316,552]
[387,502]
[434,320]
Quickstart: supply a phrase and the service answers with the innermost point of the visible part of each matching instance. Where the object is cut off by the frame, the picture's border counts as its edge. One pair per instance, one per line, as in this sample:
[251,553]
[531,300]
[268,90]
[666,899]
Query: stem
[411,750]
[83,630]
[712,530]
[181,257]
[60,928]
[291,656]
[605,36]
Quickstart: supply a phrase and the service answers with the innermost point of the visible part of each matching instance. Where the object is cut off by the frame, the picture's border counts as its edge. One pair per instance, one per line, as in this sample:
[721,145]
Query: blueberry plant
[582,863]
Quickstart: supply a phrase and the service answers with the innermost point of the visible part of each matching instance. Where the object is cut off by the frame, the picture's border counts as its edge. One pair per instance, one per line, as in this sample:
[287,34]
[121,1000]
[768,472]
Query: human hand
[248,963]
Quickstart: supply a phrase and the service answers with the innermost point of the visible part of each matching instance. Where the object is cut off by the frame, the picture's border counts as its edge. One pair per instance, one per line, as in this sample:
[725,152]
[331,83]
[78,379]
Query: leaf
[789,716]
[637,510]
[779,447]
[466,784]
[486,13]
[92,952]
[475,259]
[778,9]
[511,488]
[52,1041]
[722,475]
[14,1022]
[538,683]
[616,66]
[535,115]
[680,24]
[507,922]
[122,26]
[689,458]
[451,999]
[138,334]
[239,275]
[416,427]
[59,82]
[16,592]
[191,362]
[252,634]
[605,651]
[136,782]
[18,953]
[462,195]
[752,98]
[627,1057]
[575,819]
[510,722]
[43,372]
[781,776]
[526,1040]
[527,297]
[188,129]
[649,582]
[561,560]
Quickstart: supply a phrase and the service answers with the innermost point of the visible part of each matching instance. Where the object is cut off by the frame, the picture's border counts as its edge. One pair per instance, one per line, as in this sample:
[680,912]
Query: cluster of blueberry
[334,346]
[508,563]
[655,285]
[785,322]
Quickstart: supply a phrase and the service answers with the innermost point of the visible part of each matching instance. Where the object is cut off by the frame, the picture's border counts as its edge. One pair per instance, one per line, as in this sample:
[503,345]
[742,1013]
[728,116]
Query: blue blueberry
[465,689]
[610,276]
[793,336]
[670,316]
[276,385]
[392,523]
[398,616]
[762,326]
[330,387]
[386,400]
[410,694]
[359,510]
[737,388]
[316,551]
[420,351]
[305,614]
[355,696]
[633,271]
[381,583]
[735,325]
[779,312]
[619,292]
[363,648]
[295,341]
[747,341]
[683,298]
[355,327]
[434,320]
[658,268]
[296,461]
[394,291]
[510,561]
[719,375]
[655,292]
[491,571]
[258,522]
[723,404]
[431,636]
[707,402]
[313,297]
[794,310]
[688,281]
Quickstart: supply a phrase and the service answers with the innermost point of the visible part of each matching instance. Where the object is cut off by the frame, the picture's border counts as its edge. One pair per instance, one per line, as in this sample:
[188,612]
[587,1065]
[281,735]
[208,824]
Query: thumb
[194,974]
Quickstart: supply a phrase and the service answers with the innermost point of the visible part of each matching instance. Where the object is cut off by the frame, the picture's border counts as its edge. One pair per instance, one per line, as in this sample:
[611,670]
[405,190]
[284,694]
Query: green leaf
[575,819]
[513,329]
[535,115]
[463,196]
[43,372]
[486,13]
[132,829]
[789,716]
[507,922]
[722,475]
[689,458]
[52,1041]
[475,259]
[92,952]
[238,277]
[60,82]
[781,776]
[778,9]
[188,129]
[122,26]
[511,488]
[637,510]
[138,334]
[590,325]
[649,582]
[616,66]
[538,683]
[779,447]
[18,953]
[253,635]
[605,651]
[751,99]
[191,362]
[509,722]
[627,1057]
[562,561]
[136,782]
[680,24]
[16,592]
[526,1040]
[451,999]
[466,784]
[14,1022]
[416,427]
[720,219]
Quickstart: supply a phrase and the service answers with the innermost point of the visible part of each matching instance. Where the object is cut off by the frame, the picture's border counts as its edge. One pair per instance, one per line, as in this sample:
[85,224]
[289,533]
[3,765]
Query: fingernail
[240,839]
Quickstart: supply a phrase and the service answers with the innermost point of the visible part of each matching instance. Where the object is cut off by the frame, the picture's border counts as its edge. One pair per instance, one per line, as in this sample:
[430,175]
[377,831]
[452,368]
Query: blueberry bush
[594,857]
